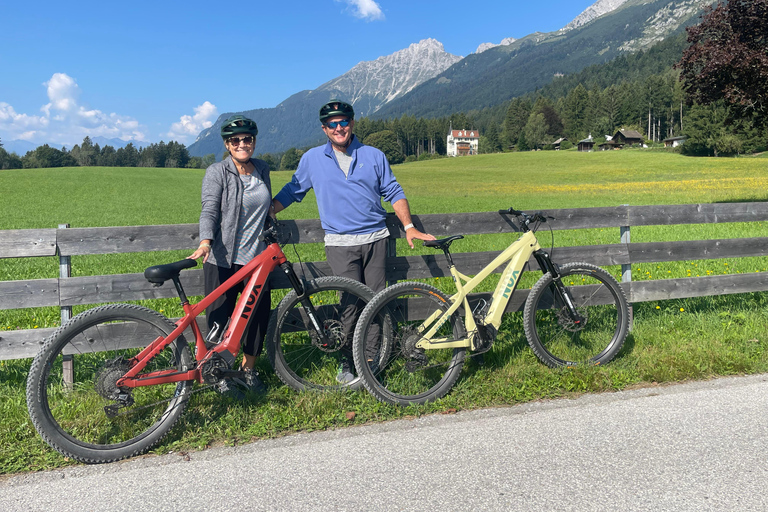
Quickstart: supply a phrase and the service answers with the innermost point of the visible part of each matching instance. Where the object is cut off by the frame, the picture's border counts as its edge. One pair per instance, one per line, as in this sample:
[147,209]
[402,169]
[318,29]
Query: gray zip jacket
[222,197]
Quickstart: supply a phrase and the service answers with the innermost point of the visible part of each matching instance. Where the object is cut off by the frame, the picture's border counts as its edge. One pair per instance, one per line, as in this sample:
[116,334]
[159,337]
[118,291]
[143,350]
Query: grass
[672,340]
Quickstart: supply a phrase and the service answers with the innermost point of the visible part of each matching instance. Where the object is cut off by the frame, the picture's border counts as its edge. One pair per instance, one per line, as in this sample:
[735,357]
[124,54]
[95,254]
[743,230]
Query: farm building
[628,137]
[586,144]
[673,142]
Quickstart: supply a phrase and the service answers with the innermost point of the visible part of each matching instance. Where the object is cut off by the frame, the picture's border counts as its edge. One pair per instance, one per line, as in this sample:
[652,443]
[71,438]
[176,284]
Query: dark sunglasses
[334,124]
[235,141]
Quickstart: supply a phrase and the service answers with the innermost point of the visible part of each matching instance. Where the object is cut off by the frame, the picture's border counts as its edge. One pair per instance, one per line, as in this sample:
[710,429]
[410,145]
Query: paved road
[690,447]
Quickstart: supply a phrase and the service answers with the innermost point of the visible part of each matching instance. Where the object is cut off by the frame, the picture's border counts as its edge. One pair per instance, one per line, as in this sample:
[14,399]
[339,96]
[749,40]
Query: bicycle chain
[136,409]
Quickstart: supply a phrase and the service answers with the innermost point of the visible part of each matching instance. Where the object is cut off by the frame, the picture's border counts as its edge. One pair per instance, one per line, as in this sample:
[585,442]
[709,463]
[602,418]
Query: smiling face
[340,135]
[238,148]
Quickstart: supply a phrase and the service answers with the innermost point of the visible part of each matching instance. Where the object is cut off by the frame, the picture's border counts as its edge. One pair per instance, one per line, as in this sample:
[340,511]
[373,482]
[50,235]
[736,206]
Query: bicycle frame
[517,254]
[257,272]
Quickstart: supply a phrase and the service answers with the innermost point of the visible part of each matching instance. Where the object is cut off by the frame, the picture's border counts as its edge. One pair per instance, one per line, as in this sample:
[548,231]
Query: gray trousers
[367,264]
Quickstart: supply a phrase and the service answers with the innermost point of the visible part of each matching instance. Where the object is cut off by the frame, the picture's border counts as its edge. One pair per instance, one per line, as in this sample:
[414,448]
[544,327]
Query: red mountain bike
[111,382]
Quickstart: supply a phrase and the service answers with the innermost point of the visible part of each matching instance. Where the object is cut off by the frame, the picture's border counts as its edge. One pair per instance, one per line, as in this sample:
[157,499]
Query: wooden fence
[65,292]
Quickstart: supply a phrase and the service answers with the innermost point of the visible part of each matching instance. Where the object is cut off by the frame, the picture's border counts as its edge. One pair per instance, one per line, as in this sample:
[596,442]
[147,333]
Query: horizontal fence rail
[65,292]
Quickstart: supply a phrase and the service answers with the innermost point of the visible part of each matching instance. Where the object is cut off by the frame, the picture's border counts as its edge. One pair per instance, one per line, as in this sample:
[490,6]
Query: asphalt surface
[689,447]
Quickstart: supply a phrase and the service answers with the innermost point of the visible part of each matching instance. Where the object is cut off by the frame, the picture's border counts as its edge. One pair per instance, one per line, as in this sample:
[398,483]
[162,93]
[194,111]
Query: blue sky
[164,70]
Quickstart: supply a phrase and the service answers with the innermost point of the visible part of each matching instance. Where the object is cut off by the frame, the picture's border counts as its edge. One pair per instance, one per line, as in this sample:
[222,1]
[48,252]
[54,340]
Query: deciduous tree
[386,141]
[728,58]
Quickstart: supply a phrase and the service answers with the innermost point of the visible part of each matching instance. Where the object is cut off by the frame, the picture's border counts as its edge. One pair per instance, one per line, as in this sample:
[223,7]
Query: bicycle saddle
[159,274]
[442,243]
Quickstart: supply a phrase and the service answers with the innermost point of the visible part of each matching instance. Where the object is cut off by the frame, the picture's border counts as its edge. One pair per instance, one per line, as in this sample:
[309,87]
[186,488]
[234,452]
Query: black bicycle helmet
[238,124]
[336,108]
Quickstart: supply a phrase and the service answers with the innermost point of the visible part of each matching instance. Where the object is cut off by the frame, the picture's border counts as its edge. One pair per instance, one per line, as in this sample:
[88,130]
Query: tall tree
[728,58]
[552,120]
[386,141]
[576,113]
[517,116]
[9,160]
[290,160]
[536,131]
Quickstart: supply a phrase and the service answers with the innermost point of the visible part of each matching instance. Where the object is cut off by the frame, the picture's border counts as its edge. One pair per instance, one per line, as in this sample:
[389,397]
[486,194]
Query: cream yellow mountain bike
[575,314]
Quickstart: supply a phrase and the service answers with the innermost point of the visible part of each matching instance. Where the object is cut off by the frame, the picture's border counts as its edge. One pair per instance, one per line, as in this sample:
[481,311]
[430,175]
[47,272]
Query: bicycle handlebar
[527,219]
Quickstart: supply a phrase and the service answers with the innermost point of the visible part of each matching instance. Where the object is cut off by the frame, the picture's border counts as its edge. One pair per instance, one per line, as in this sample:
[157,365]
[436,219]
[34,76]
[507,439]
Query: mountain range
[425,81]
[368,86]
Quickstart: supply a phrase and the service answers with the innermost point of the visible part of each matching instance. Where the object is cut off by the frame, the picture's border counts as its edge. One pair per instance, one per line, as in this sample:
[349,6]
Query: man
[350,179]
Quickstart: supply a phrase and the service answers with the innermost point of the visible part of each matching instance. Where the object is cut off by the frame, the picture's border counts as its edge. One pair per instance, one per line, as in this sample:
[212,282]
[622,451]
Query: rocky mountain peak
[487,46]
[595,10]
[386,78]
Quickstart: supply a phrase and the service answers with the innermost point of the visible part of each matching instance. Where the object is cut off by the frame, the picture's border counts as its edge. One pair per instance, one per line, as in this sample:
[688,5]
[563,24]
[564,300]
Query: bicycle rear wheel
[559,341]
[406,374]
[301,357]
[89,418]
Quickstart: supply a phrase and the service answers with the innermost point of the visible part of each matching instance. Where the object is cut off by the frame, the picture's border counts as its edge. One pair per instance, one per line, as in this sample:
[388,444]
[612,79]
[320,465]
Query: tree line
[161,154]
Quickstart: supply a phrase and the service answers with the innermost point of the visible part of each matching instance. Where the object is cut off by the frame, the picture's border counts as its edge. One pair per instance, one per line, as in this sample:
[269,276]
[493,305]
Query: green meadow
[672,340]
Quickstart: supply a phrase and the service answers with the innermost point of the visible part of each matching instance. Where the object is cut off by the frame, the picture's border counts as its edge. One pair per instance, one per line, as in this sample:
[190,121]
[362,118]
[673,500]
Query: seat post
[447,252]
[180,290]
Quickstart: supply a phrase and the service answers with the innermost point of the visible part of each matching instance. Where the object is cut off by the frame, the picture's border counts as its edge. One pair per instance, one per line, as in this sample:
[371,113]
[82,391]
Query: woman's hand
[201,252]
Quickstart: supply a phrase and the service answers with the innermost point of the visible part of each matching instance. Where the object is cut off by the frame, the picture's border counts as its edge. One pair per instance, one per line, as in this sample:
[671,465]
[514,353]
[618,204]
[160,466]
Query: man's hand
[413,233]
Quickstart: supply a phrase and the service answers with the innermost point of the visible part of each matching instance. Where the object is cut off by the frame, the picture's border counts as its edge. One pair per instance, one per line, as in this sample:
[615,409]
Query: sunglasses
[333,124]
[235,141]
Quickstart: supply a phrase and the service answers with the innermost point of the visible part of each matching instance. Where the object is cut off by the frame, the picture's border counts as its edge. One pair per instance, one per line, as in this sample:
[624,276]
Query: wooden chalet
[673,142]
[628,137]
[586,144]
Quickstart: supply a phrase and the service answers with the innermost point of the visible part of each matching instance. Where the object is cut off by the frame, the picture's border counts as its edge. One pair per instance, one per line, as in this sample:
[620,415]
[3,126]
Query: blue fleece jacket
[348,205]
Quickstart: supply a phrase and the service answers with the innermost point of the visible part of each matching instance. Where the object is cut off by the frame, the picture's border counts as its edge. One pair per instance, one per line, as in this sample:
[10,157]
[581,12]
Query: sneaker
[346,373]
[251,382]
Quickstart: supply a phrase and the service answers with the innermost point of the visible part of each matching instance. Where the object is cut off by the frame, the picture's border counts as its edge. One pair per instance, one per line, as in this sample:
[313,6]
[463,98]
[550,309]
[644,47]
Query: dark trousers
[367,264]
[223,307]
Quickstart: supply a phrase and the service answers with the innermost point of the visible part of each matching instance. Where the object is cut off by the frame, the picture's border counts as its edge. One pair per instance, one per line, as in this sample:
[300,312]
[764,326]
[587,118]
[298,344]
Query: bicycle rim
[407,374]
[553,335]
[83,418]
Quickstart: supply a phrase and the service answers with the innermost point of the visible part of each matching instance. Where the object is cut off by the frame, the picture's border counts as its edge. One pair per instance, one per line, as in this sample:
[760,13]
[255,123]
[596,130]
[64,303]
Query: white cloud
[365,9]
[187,126]
[9,118]
[65,120]
[63,92]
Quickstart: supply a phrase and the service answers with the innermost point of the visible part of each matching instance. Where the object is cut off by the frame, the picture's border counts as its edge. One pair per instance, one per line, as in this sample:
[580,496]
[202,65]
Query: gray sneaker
[346,374]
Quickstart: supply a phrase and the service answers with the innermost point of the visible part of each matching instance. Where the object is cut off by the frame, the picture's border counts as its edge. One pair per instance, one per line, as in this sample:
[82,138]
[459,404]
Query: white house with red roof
[462,142]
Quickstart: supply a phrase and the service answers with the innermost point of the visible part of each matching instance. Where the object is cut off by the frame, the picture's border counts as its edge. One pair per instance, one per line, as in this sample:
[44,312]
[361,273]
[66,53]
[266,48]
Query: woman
[236,198]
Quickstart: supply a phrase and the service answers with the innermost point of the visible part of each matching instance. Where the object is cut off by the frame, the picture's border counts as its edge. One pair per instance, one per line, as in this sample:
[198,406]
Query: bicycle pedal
[225,387]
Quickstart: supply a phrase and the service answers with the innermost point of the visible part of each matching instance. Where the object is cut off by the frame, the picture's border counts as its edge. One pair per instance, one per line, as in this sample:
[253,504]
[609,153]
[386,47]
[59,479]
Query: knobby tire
[406,374]
[555,339]
[98,344]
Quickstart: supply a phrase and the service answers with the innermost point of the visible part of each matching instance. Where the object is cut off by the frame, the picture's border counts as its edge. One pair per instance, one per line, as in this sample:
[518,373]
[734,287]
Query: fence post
[626,269]
[65,271]
[391,253]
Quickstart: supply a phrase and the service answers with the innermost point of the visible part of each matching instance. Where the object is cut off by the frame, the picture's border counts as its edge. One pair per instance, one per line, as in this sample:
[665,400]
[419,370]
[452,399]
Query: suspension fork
[303,296]
[547,265]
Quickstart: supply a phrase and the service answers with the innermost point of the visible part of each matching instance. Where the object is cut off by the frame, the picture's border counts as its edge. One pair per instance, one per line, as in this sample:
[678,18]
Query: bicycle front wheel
[597,336]
[407,374]
[307,355]
[72,395]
